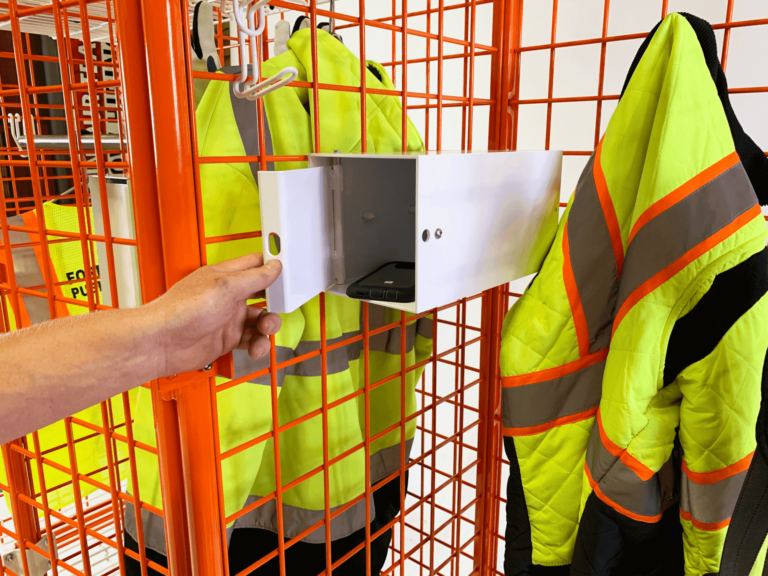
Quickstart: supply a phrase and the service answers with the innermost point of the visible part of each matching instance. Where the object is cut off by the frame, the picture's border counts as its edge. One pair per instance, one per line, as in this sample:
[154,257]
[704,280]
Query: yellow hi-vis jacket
[227,127]
[631,365]
[68,277]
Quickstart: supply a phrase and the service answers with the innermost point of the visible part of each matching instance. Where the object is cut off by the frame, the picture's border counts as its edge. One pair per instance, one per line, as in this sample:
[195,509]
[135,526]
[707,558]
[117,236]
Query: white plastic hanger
[253,89]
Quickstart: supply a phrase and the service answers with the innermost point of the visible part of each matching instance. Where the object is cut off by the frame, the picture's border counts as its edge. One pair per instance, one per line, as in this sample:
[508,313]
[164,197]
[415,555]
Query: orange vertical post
[133,68]
[164,33]
[503,71]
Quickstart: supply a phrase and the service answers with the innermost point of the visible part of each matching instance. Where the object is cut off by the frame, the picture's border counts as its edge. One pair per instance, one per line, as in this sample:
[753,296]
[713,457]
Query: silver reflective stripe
[592,260]
[684,225]
[711,503]
[296,520]
[245,117]
[387,461]
[542,402]
[154,528]
[337,360]
[28,273]
[389,341]
[426,328]
[621,484]
[245,365]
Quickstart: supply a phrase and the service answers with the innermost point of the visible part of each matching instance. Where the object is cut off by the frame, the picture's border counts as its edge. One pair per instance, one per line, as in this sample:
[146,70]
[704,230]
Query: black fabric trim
[752,157]
[133,566]
[518,545]
[195,39]
[610,544]
[732,294]
[375,71]
[518,551]
[749,524]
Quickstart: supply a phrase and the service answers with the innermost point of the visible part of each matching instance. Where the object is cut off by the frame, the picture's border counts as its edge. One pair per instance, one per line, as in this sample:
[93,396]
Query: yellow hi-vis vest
[631,365]
[227,127]
[68,270]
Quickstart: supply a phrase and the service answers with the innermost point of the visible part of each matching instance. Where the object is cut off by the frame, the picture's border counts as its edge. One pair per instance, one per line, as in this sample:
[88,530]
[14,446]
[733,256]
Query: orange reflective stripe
[609,212]
[618,507]
[572,290]
[658,279]
[686,189]
[642,471]
[718,475]
[532,430]
[556,372]
[707,526]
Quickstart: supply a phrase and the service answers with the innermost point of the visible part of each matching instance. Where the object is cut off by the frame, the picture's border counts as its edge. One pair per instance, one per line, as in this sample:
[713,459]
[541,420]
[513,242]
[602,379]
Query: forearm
[56,369]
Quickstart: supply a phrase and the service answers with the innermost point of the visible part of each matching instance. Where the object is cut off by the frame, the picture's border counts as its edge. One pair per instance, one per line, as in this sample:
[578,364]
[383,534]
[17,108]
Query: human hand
[206,315]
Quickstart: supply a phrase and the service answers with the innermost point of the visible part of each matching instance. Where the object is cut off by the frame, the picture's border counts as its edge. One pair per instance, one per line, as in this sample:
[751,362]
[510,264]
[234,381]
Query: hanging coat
[631,365]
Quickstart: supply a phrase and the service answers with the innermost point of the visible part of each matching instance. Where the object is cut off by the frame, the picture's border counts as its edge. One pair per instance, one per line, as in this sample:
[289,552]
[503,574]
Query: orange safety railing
[93,68]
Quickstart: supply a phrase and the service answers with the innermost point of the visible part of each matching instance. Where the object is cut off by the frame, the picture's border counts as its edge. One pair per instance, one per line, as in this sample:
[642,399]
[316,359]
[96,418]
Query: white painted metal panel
[297,206]
[497,217]
[120,204]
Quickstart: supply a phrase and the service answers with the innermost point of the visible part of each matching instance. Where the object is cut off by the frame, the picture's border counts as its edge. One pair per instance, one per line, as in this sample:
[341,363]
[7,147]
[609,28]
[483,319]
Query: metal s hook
[14,125]
[242,25]
[253,89]
[277,81]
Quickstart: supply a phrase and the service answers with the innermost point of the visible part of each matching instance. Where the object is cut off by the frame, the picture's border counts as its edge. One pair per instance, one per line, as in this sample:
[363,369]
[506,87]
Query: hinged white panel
[297,205]
[490,217]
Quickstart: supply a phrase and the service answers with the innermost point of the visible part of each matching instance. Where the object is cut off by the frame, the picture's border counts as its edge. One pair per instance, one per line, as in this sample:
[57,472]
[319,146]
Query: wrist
[151,339]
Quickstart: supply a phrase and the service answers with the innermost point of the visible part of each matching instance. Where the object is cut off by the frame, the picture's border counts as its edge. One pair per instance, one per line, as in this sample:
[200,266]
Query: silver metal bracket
[38,564]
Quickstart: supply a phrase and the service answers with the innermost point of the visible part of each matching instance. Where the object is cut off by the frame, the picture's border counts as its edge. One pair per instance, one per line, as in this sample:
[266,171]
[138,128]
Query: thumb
[252,280]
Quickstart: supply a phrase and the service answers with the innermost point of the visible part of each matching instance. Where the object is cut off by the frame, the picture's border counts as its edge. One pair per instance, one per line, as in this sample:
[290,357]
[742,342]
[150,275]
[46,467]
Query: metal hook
[253,89]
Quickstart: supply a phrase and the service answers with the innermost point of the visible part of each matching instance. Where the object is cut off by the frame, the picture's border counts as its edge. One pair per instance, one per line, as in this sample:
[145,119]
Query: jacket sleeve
[718,414]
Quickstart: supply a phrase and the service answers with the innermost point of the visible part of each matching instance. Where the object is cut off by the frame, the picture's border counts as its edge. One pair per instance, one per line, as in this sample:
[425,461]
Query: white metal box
[469,221]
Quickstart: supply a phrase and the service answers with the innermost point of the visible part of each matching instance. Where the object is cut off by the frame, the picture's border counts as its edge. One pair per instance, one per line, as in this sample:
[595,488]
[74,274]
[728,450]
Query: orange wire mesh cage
[373,441]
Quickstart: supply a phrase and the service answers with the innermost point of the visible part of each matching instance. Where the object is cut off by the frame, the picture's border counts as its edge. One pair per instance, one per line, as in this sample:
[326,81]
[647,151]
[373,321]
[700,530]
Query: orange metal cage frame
[151,49]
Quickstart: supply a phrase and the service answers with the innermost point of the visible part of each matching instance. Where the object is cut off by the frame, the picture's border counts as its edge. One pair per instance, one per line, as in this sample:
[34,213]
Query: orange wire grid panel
[368,441]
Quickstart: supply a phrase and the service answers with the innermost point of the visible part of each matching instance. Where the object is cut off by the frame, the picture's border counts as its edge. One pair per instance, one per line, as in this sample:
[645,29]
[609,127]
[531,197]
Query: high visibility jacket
[227,127]
[631,365]
[68,276]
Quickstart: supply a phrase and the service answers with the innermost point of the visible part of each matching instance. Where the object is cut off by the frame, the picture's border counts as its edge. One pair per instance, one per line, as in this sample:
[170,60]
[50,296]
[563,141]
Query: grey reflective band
[426,328]
[390,340]
[296,520]
[542,402]
[387,461]
[245,117]
[336,360]
[28,274]
[684,225]
[244,365]
[620,483]
[153,528]
[592,260]
[711,503]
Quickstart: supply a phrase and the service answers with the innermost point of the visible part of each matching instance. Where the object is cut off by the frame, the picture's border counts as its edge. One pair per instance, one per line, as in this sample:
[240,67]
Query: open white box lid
[497,213]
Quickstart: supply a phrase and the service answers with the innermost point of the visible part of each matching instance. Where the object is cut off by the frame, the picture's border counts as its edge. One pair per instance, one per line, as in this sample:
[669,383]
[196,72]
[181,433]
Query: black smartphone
[393,282]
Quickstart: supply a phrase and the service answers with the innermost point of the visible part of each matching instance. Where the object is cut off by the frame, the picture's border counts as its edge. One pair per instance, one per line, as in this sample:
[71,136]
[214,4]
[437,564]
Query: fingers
[253,260]
[252,280]
[258,347]
[267,323]
[259,325]
[256,343]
